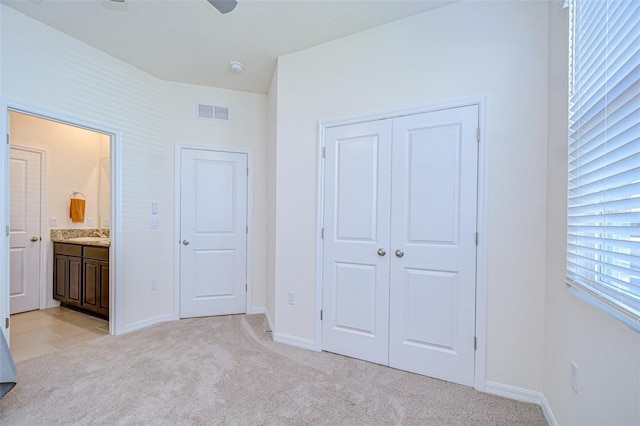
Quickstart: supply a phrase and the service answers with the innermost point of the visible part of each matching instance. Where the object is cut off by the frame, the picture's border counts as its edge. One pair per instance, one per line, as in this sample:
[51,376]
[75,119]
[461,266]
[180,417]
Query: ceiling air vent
[213,112]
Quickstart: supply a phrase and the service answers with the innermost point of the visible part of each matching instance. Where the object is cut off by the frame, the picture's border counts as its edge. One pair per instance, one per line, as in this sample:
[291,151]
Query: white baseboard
[296,341]
[524,395]
[268,317]
[548,414]
[513,392]
[262,310]
[51,304]
[146,323]
[285,338]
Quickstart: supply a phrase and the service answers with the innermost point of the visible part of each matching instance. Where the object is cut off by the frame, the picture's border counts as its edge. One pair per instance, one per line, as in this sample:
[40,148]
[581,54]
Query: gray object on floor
[7,368]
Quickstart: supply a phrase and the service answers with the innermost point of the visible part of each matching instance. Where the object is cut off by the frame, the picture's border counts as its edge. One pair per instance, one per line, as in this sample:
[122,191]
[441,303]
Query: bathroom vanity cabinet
[81,277]
[67,273]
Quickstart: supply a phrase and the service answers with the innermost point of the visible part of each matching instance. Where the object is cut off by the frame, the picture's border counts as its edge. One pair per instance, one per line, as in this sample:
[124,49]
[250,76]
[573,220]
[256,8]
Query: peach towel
[76,210]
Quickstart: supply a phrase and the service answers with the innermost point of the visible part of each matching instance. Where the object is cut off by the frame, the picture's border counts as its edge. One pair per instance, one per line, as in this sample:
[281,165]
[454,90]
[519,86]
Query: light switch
[154,207]
[53,222]
[154,222]
[91,222]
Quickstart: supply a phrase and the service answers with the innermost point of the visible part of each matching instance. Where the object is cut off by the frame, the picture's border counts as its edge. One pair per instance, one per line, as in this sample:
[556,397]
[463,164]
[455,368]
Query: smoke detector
[236,66]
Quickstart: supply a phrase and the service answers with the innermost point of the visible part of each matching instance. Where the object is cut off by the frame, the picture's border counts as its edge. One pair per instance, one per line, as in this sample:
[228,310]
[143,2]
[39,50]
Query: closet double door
[399,248]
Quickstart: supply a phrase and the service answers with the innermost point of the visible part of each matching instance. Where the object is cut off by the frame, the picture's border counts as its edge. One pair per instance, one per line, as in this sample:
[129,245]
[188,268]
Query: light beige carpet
[226,370]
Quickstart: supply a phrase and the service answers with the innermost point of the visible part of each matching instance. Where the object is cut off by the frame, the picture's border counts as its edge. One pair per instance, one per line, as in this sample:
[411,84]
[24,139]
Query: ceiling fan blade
[224,6]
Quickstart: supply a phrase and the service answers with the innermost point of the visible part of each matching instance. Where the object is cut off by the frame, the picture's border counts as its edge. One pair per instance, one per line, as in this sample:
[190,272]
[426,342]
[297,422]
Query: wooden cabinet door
[60,277]
[103,301]
[91,284]
[74,282]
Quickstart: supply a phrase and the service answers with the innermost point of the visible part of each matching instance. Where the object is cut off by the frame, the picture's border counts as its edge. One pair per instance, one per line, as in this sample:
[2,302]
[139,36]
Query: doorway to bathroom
[50,163]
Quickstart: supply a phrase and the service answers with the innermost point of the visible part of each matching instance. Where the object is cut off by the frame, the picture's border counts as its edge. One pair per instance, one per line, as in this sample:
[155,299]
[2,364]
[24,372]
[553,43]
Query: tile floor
[37,333]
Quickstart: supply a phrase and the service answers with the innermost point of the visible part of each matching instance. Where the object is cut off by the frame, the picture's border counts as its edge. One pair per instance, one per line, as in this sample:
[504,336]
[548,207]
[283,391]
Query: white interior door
[356,273]
[213,233]
[399,252]
[433,240]
[24,253]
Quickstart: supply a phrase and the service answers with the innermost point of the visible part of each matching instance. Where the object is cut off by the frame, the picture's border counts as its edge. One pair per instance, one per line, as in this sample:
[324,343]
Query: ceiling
[189,41]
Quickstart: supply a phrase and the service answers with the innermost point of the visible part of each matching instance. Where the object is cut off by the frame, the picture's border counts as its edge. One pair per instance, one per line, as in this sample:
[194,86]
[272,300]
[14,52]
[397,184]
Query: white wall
[247,128]
[272,126]
[606,351]
[46,69]
[468,48]
[52,72]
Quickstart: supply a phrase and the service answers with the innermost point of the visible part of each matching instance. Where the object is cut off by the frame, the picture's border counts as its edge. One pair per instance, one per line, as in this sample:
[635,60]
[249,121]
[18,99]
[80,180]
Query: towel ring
[75,193]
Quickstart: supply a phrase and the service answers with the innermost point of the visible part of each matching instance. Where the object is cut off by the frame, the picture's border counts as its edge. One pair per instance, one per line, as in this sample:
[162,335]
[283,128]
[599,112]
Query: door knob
[381,252]
[185,242]
[34,239]
[399,253]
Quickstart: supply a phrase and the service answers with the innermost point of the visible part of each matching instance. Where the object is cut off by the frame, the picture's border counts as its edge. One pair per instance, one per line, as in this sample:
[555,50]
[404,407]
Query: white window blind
[603,241]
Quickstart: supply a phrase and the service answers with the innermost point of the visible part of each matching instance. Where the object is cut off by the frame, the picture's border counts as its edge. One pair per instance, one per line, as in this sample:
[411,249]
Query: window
[603,232]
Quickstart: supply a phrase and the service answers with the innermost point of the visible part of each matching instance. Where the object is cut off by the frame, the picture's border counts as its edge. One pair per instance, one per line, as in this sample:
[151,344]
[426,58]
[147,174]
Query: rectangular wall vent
[213,112]
[205,111]
[221,113]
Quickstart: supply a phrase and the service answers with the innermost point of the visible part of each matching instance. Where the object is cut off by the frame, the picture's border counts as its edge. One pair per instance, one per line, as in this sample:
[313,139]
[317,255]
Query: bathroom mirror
[104,195]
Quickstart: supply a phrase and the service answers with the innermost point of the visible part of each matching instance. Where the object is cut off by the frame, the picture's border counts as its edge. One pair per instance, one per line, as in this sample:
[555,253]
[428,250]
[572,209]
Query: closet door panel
[356,212]
[399,242]
[433,234]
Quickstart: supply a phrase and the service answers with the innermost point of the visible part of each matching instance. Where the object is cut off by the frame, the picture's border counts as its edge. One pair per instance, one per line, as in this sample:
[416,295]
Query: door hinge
[6,323]
[7,231]
[478,134]
[247,171]
[475,343]
[7,138]
[323,152]
[322,234]
[246,287]
[477,239]
[247,229]
[320,314]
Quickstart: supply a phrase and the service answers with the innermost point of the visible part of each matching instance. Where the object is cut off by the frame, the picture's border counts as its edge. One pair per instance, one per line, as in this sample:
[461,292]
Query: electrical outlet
[91,222]
[574,376]
[291,297]
[154,285]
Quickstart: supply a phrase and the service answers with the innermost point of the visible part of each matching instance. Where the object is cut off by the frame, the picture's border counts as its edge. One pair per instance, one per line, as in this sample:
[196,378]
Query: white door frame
[179,146]
[115,275]
[482,223]
[42,284]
